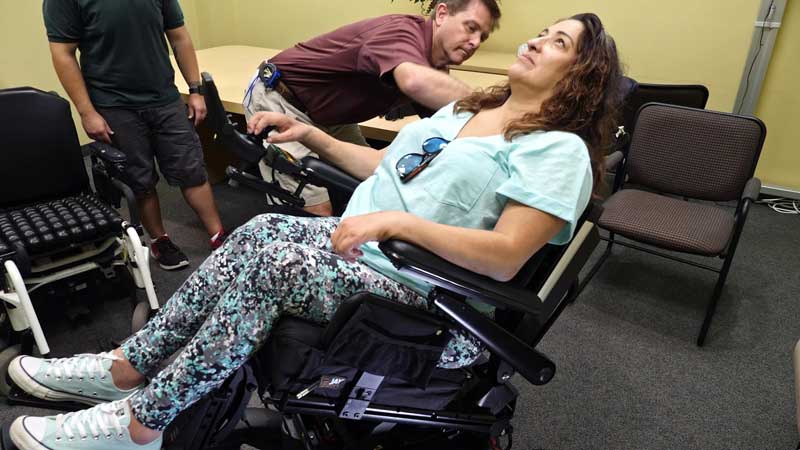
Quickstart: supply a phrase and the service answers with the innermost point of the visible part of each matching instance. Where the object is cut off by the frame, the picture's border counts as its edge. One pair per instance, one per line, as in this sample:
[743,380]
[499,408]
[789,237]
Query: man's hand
[287,129]
[197,108]
[96,127]
[354,231]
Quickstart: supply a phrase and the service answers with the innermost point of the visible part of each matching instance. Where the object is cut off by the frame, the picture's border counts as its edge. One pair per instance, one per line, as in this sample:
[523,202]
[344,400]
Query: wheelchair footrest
[18,397]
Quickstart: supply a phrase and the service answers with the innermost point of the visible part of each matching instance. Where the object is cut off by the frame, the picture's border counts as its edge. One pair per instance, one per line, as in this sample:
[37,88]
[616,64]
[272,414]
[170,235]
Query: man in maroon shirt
[364,69]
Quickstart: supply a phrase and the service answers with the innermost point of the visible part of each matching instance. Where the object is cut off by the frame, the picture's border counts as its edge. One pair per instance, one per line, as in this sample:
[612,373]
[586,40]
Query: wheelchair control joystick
[259,138]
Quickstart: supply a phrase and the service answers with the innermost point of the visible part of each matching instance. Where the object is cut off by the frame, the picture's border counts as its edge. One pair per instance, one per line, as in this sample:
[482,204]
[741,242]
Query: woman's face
[548,56]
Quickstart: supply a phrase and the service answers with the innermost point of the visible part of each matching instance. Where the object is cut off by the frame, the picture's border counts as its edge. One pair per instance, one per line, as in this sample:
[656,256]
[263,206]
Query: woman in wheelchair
[484,183]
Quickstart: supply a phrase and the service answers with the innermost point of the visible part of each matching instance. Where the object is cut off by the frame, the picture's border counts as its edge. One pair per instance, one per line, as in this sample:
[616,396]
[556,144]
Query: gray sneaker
[103,427]
[82,378]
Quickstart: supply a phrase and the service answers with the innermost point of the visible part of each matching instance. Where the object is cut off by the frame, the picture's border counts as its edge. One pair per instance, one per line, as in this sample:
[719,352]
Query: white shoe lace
[99,420]
[79,366]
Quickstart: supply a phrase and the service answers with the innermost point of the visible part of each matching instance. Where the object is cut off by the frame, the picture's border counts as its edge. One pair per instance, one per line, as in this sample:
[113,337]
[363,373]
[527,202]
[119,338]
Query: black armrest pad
[614,159]
[106,152]
[329,175]
[435,270]
[534,366]
[752,189]
[246,149]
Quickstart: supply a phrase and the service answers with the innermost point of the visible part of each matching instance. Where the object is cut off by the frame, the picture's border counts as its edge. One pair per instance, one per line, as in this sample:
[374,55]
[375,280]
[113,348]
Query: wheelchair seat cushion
[46,227]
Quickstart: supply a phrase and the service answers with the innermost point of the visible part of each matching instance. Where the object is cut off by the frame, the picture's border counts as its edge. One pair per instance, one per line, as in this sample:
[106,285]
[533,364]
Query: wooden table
[233,66]
[488,62]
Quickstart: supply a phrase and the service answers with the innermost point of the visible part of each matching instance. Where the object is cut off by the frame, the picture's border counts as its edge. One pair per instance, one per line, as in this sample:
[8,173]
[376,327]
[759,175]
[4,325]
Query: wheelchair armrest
[245,148]
[107,153]
[329,175]
[108,171]
[446,275]
[527,361]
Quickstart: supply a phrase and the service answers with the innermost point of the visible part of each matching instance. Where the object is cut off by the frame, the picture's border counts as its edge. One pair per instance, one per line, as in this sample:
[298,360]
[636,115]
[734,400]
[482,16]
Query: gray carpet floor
[629,374]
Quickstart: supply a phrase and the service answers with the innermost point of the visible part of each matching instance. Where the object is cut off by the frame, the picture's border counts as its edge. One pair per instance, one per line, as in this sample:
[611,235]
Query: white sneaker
[82,378]
[103,427]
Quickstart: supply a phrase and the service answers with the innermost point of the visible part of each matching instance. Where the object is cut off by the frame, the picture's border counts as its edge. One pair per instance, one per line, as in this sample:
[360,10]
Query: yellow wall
[281,23]
[682,46]
[685,41]
[25,59]
[779,106]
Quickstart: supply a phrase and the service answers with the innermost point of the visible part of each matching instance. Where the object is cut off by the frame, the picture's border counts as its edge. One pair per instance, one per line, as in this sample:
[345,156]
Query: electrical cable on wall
[770,11]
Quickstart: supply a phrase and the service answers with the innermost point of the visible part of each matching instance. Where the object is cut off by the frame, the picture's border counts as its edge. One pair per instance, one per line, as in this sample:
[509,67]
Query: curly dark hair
[586,101]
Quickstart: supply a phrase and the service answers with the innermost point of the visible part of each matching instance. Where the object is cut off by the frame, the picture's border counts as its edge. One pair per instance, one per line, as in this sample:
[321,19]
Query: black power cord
[767,16]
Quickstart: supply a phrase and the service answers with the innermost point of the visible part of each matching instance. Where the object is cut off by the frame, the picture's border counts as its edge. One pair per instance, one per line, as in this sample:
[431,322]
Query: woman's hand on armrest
[357,160]
[288,129]
[354,231]
[498,253]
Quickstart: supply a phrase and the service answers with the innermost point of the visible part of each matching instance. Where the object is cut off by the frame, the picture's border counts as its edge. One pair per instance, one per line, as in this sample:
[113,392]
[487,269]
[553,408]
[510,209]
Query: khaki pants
[261,99]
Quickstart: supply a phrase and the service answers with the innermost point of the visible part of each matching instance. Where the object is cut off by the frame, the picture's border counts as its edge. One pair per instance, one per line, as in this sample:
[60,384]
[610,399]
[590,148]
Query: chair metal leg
[595,268]
[712,305]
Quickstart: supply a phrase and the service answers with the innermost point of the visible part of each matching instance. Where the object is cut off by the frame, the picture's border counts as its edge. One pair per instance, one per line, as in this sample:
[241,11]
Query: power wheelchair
[58,236]
[368,379]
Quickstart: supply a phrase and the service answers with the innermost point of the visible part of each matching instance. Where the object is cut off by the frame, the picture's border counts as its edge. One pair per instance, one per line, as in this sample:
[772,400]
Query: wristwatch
[196,88]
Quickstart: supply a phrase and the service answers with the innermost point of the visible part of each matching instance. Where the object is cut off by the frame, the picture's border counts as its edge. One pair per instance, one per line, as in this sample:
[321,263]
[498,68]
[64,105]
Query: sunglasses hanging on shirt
[411,164]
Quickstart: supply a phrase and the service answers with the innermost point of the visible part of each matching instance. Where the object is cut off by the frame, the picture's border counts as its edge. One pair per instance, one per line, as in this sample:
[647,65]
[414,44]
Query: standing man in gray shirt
[124,91]
[364,69]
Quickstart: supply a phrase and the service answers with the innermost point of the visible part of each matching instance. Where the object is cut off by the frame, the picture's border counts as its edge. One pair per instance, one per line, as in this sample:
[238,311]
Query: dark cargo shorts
[163,134]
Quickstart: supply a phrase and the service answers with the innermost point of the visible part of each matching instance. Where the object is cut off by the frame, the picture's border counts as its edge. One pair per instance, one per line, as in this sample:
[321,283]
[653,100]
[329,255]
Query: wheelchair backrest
[551,273]
[216,118]
[41,155]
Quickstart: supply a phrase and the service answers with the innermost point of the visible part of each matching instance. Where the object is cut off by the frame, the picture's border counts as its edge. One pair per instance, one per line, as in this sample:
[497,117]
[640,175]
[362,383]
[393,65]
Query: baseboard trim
[777,191]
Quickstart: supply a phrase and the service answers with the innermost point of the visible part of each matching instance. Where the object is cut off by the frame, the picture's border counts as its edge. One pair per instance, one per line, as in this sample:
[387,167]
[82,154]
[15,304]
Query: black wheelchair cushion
[49,226]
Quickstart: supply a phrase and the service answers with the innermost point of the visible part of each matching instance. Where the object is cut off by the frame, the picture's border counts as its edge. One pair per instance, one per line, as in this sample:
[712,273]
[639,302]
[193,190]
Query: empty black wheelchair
[57,234]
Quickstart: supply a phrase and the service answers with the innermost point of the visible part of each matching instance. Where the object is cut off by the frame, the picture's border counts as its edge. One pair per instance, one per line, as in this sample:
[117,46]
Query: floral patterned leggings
[271,266]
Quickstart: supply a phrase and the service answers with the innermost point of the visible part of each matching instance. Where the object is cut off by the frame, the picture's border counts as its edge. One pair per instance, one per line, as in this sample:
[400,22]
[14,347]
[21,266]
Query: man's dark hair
[456,6]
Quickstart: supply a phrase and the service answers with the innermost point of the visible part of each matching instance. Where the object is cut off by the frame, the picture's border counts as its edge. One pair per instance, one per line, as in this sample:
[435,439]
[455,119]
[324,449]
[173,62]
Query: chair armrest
[329,175]
[246,148]
[446,275]
[526,360]
[108,171]
[614,159]
[752,189]
[107,153]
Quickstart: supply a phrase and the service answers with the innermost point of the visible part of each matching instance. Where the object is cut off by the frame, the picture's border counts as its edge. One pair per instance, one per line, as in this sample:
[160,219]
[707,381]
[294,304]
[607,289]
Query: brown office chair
[677,154]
